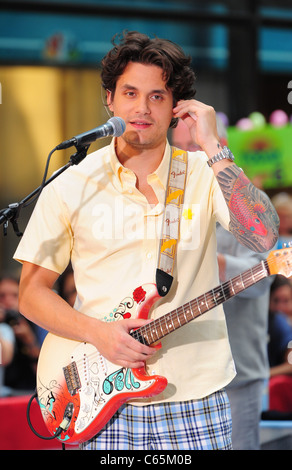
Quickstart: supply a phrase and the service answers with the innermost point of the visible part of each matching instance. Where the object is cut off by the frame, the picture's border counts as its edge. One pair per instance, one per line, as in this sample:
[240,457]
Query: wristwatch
[225,153]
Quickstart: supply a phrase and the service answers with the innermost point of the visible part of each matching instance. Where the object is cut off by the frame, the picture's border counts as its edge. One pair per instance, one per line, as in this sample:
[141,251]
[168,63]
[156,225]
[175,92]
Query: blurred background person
[281,296]
[247,323]
[20,373]
[7,343]
[280,346]
[283,205]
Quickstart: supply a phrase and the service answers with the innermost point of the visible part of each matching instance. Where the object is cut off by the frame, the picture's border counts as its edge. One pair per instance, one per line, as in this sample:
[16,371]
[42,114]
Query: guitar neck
[161,327]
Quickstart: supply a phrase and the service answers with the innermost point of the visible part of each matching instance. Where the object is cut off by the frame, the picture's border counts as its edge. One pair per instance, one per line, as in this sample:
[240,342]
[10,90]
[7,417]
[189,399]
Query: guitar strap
[172,213]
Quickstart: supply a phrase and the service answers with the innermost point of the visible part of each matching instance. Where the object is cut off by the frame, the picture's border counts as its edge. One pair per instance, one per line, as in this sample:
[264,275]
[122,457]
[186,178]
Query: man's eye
[156,97]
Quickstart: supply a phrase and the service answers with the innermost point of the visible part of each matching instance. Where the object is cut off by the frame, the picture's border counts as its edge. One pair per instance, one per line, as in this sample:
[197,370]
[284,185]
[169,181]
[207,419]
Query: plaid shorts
[192,425]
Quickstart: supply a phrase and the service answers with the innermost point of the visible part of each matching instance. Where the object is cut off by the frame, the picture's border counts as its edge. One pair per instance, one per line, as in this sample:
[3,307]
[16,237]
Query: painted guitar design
[79,390]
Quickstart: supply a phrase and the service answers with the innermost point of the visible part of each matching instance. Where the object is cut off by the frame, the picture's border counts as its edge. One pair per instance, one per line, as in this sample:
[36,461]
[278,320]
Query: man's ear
[109,100]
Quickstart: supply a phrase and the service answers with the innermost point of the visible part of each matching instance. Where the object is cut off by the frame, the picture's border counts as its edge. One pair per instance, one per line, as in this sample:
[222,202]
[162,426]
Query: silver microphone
[115,126]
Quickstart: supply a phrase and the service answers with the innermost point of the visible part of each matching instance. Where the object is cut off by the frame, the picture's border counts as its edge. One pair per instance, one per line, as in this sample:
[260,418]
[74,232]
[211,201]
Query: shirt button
[130,191]
[149,255]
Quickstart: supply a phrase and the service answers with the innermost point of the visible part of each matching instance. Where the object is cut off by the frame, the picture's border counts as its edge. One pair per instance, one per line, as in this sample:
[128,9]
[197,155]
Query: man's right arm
[39,303]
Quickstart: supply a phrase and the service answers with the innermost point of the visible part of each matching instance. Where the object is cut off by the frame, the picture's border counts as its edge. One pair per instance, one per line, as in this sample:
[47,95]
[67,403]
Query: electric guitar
[79,390]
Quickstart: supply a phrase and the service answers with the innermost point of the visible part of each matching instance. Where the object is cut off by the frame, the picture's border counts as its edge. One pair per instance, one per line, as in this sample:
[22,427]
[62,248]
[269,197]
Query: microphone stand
[12,211]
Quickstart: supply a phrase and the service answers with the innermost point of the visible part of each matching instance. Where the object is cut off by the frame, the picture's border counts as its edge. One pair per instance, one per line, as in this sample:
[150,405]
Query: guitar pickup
[72,378]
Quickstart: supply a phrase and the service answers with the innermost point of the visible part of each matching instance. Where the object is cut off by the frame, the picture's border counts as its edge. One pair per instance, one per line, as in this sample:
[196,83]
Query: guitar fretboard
[161,327]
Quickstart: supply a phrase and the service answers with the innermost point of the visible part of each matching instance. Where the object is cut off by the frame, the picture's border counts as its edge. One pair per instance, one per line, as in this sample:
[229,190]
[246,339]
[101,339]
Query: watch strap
[224,154]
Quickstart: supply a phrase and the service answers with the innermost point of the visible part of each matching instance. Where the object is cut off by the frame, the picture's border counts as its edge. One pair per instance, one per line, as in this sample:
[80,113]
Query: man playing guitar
[105,216]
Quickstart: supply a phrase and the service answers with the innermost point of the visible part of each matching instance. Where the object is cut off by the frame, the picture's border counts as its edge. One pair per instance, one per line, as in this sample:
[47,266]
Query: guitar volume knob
[85,407]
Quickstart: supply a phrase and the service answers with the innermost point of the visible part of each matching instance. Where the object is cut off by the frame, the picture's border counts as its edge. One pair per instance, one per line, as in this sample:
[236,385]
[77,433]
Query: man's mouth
[138,124]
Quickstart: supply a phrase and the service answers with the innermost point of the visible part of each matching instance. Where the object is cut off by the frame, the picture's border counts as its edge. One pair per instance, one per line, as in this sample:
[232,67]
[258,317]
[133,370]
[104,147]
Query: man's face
[281,300]
[143,101]
[9,294]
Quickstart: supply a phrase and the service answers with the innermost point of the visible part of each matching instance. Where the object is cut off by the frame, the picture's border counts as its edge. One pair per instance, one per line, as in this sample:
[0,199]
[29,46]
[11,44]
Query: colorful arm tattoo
[253,220]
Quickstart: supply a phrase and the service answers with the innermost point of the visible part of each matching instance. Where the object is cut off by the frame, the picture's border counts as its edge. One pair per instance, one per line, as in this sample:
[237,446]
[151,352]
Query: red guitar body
[75,383]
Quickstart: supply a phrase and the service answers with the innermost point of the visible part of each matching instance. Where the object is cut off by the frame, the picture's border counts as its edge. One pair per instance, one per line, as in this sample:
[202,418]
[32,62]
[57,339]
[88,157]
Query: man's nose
[143,105]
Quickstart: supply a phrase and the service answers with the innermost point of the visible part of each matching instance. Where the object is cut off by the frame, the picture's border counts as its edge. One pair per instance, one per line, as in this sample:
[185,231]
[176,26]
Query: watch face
[226,152]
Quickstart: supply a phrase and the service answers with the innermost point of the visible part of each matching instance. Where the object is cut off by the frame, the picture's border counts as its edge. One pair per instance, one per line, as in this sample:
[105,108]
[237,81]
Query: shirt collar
[161,172]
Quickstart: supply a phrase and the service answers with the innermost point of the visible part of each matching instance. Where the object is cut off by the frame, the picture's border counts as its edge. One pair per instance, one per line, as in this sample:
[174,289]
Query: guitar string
[255,273]
[168,319]
[268,264]
[205,300]
[180,310]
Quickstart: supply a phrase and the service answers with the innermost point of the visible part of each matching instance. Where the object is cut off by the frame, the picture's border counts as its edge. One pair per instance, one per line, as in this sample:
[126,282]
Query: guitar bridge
[72,378]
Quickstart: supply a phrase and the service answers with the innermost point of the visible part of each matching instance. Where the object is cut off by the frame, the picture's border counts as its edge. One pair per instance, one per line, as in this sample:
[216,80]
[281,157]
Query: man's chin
[136,140]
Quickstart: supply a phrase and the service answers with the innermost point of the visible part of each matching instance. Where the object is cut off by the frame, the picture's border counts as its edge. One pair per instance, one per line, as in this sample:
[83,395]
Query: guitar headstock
[280,261]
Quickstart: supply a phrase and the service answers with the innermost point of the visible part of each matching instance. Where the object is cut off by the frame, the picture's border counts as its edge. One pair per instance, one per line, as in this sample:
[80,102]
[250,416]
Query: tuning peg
[287,245]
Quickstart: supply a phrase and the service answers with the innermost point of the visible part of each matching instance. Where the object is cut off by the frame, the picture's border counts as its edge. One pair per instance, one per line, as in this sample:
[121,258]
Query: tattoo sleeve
[253,219]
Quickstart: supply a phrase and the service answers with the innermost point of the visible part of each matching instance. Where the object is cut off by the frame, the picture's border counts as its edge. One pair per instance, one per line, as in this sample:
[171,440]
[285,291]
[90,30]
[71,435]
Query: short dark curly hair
[137,47]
